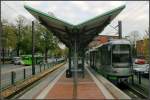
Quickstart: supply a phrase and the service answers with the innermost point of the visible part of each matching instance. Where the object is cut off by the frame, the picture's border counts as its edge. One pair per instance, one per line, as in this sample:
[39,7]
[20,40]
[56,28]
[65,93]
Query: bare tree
[133,37]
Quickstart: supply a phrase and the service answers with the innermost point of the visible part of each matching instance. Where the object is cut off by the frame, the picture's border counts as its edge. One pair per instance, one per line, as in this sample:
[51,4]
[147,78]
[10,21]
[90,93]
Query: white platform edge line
[45,91]
[101,86]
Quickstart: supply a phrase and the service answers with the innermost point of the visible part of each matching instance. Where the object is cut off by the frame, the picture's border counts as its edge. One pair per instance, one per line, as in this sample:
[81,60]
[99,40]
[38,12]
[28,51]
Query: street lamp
[33,49]
[2,42]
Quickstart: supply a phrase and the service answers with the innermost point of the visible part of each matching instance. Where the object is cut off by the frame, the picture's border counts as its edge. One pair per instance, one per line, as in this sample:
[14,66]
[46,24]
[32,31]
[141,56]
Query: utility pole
[120,29]
[18,41]
[33,48]
[2,43]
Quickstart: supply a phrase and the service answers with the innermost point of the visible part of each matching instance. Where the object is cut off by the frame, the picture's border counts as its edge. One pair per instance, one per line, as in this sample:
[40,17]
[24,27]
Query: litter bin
[68,73]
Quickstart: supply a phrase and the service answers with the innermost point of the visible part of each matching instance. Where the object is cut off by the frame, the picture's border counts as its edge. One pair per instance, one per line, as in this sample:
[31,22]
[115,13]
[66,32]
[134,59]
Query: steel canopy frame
[85,31]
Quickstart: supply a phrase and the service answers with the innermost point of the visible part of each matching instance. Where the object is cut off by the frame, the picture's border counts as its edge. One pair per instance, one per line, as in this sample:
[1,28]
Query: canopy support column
[75,80]
[83,58]
[69,59]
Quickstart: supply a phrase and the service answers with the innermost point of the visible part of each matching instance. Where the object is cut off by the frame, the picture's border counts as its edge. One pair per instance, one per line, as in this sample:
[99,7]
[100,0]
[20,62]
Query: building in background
[102,39]
[142,47]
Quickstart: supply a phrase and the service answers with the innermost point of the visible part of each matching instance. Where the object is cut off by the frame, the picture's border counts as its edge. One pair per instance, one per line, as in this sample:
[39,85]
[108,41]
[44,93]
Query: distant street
[6,70]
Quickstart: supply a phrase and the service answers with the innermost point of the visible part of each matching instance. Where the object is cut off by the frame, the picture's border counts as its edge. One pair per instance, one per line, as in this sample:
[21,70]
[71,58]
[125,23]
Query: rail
[132,92]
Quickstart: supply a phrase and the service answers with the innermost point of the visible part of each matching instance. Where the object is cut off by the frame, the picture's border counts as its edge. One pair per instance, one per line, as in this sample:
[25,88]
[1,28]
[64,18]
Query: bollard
[44,66]
[40,67]
[139,77]
[24,73]
[47,65]
[13,76]
[132,79]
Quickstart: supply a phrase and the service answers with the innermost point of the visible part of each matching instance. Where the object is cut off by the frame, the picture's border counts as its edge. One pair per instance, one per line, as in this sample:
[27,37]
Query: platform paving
[63,89]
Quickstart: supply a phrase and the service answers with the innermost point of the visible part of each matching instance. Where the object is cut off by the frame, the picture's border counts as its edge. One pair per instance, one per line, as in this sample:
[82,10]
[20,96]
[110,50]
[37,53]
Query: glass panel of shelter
[80,64]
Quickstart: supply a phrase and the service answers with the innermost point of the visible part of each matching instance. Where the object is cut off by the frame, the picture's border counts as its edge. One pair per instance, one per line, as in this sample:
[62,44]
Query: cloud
[81,4]
[33,3]
[116,3]
[134,17]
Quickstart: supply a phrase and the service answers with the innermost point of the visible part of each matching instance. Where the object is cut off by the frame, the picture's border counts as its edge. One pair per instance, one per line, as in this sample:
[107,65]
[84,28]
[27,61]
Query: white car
[17,60]
[144,68]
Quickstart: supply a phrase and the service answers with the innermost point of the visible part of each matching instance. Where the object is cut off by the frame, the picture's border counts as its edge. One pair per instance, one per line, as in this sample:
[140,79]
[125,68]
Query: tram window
[120,53]
[121,48]
[25,58]
[117,58]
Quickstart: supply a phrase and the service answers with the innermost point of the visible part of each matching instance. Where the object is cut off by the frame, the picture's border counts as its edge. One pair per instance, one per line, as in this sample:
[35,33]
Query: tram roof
[113,42]
[85,31]
[120,41]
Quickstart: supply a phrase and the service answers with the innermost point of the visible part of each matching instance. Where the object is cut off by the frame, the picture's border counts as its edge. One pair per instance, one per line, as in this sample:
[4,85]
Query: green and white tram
[27,59]
[112,59]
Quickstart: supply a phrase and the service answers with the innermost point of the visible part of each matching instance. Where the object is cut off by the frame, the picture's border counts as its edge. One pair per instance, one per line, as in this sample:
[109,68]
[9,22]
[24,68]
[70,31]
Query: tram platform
[87,88]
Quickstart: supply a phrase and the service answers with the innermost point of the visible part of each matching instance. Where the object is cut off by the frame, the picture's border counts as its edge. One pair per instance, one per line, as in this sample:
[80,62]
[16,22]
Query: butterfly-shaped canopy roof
[84,32]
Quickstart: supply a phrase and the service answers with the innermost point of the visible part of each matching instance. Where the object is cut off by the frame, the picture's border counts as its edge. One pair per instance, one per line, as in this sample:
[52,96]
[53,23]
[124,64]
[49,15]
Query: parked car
[17,60]
[143,68]
[139,61]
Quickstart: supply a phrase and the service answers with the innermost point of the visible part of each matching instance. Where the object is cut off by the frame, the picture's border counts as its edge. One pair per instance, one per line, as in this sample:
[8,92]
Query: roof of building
[67,32]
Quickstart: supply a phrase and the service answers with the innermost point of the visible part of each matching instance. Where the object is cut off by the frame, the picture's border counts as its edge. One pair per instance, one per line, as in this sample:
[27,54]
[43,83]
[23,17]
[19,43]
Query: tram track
[133,92]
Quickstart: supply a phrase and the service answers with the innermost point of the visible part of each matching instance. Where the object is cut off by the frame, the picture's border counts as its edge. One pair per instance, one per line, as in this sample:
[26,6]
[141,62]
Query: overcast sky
[134,17]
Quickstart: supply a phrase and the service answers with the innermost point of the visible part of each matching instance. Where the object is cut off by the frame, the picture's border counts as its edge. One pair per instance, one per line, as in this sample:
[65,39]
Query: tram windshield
[121,55]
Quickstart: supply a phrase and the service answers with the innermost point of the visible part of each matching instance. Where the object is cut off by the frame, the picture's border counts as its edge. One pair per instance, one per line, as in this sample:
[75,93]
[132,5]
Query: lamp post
[2,43]
[33,49]
[18,41]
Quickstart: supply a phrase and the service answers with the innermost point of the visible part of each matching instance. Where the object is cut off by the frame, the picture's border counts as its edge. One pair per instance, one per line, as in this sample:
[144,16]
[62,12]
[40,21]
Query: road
[6,68]
[6,73]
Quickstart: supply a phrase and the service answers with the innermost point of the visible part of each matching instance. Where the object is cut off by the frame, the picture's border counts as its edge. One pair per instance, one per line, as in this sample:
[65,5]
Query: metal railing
[11,78]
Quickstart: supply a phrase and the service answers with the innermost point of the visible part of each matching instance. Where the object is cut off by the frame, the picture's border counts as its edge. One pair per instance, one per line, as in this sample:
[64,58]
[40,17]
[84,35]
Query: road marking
[43,93]
[101,86]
